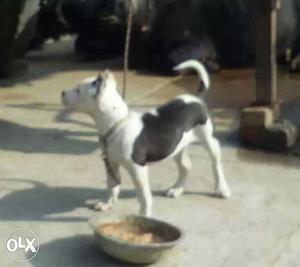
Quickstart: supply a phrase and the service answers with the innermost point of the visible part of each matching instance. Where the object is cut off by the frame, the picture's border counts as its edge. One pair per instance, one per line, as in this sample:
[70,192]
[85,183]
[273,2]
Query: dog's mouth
[67,106]
[65,102]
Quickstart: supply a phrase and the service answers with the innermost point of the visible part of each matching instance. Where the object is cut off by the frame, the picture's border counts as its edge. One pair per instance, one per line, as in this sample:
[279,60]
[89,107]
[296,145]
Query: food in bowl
[135,239]
[134,231]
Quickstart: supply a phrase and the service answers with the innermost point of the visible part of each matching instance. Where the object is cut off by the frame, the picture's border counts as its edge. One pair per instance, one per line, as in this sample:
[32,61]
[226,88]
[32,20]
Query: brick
[257,117]
[278,136]
[252,135]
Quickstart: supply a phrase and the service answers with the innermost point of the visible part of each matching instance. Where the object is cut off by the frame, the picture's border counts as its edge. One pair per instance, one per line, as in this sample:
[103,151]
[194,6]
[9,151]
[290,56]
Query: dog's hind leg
[113,186]
[139,175]
[205,134]
[184,165]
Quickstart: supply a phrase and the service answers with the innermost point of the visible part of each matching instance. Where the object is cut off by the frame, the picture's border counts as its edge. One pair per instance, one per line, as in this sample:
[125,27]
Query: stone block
[256,117]
[252,135]
[278,136]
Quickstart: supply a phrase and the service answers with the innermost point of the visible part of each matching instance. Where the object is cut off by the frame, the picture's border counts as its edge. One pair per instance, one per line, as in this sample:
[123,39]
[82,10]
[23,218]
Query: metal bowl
[134,252]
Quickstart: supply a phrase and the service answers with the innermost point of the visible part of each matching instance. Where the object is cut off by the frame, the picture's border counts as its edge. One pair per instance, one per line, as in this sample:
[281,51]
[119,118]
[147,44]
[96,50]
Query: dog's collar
[104,139]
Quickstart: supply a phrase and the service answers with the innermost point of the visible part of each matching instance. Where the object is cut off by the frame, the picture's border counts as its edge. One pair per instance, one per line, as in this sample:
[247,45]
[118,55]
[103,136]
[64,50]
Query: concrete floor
[50,167]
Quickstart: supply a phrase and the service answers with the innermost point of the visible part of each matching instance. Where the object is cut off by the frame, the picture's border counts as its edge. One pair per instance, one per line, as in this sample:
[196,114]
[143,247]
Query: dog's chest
[163,131]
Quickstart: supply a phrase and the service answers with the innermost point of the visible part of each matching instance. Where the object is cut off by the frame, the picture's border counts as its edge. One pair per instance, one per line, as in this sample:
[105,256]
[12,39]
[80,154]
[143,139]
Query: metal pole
[266,66]
[127,47]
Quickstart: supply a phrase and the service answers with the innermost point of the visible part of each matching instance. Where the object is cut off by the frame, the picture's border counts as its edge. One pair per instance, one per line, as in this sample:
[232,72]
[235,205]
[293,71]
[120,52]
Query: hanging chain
[127,46]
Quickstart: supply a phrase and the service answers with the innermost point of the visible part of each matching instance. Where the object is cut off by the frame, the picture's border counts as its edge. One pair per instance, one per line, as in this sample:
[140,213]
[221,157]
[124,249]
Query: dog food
[132,232]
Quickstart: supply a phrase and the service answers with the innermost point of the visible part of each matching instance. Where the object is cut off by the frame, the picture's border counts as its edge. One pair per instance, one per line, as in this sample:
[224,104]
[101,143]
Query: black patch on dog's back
[161,134]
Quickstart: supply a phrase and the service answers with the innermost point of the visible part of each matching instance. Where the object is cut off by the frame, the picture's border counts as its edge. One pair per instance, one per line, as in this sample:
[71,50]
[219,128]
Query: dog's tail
[201,71]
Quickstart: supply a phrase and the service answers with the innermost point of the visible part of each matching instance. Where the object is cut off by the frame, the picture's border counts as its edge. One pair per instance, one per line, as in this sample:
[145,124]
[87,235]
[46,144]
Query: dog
[133,140]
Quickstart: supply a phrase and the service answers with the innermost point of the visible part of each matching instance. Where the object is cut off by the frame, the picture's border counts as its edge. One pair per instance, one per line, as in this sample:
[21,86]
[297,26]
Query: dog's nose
[63,93]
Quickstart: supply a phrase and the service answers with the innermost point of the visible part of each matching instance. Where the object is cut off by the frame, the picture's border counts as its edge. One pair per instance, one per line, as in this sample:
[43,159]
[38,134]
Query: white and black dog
[133,140]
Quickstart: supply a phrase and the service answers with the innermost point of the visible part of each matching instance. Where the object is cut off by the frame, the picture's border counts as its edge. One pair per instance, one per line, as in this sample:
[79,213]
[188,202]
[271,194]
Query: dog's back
[163,131]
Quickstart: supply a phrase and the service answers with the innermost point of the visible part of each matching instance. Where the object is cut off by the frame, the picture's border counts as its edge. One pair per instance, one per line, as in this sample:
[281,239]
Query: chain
[155,89]
[127,46]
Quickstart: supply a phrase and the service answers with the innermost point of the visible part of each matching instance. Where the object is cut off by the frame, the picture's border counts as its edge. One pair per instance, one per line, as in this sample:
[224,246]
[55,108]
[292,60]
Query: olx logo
[22,245]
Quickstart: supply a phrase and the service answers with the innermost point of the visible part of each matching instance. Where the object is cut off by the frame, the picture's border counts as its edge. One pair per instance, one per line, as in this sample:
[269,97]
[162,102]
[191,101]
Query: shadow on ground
[17,137]
[62,115]
[42,201]
[79,250]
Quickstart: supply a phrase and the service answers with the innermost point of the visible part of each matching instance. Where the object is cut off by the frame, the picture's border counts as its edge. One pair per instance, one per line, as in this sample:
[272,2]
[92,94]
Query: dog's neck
[112,109]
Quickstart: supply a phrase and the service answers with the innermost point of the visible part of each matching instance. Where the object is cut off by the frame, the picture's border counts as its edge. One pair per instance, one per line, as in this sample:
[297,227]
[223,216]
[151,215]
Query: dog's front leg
[139,175]
[113,186]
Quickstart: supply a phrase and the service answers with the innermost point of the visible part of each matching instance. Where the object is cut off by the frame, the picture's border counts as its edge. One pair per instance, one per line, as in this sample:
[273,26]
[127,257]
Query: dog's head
[92,94]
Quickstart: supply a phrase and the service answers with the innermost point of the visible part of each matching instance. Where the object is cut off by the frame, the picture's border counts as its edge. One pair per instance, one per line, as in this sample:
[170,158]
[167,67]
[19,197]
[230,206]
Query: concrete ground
[50,167]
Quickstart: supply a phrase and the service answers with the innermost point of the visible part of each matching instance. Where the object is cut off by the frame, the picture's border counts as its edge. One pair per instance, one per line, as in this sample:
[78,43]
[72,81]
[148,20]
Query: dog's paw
[174,192]
[102,206]
[99,205]
[91,203]
[223,192]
